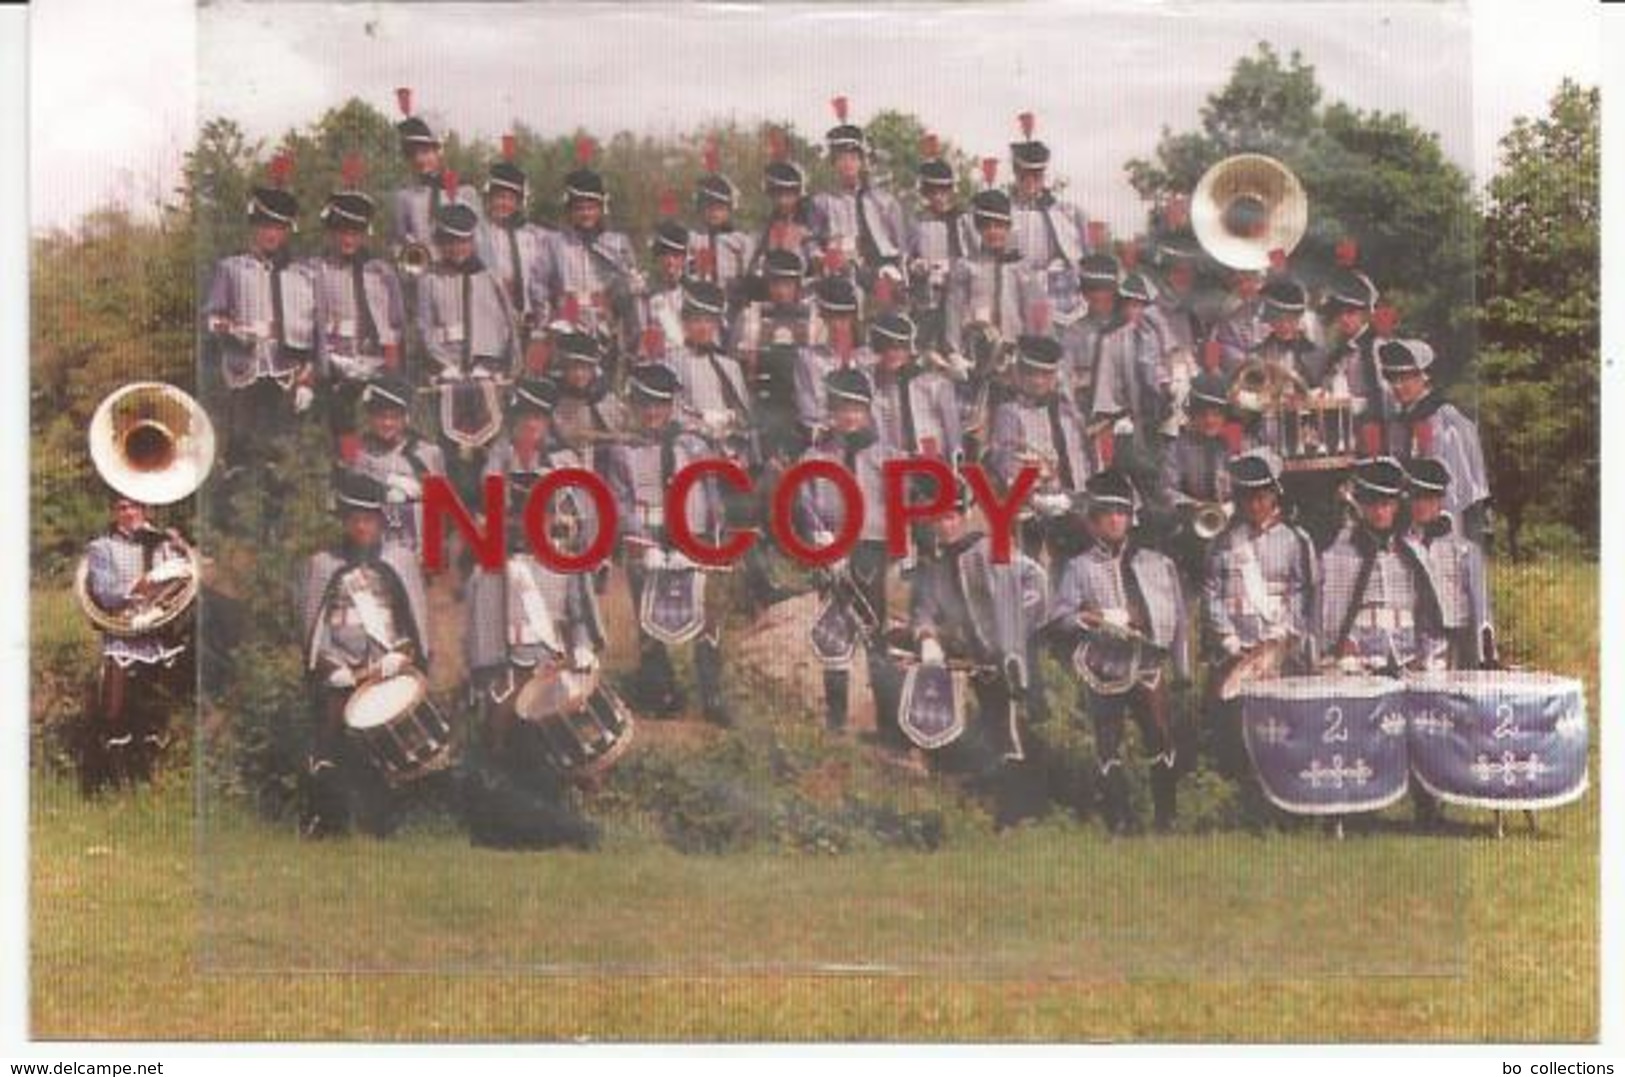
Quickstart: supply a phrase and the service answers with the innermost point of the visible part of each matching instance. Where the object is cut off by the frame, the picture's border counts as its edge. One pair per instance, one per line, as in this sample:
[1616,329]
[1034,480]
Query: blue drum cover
[1498,739]
[1327,745]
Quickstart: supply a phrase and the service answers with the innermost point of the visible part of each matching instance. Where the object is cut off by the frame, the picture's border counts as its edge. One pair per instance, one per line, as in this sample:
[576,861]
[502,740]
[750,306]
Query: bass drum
[584,726]
[1498,739]
[1327,745]
[398,729]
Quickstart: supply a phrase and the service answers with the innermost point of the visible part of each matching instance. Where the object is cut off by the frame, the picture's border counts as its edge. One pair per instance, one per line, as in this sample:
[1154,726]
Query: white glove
[584,658]
[1231,645]
[1350,663]
[717,422]
[1123,427]
[481,374]
[958,367]
[931,651]
[341,678]
[176,568]
[1117,618]
[407,487]
[654,559]
[1055,504]
[677,561]
[822,538]
[303,397]
[391,664]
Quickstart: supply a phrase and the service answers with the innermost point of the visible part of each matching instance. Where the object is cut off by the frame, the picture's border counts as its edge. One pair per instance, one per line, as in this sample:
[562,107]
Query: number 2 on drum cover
[1504,725]
[1335,731]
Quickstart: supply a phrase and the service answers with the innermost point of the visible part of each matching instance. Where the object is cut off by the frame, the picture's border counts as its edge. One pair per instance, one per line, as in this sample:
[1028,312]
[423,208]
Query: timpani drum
[1500,739]
[1327,745]
[397,727]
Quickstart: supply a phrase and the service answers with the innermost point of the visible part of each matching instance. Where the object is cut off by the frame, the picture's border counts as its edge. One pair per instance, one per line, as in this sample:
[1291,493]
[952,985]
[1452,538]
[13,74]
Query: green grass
[145,926]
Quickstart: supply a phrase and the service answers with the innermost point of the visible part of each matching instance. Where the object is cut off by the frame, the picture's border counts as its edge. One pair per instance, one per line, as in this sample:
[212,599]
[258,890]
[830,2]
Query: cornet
[412,260]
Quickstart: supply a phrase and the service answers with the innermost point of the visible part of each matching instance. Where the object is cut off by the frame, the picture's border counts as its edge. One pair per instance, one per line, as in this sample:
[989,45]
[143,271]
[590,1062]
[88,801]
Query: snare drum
[398,728]
[1327,745]
[1498,739]
[584,726]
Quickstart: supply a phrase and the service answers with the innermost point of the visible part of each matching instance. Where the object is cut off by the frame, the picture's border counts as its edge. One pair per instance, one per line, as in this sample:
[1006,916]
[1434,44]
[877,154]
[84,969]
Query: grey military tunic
[1457,565]
[597,275]
[813,365]
[640,472]
[999,290]
[460,339]
[517,258]
[356,611]
[1129,375]
[401,468]
[1052,236]
[1434,428]
[729,251]
[1261,585]
[1395,616]
[710,385]
[819,504]
[916,409]
[356,319]
[977,609]
[114,562]
[663,309]
[1355,361]
[1239,330]
[241,316]
[412,210]
[1080,351]
[850,220]
[1194,470]
[526,614]
[585,421]
[1023,428]
[1097,581]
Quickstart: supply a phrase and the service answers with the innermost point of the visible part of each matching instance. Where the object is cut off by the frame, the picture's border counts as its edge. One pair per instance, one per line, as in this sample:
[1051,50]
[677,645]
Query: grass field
[147,926]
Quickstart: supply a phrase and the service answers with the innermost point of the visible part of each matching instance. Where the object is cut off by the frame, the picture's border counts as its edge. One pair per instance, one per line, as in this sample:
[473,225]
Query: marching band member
[364,614]
[833,347]
[1050,233]
[1284,345]
[1379,604]
[591,271]
[128,725]
[719,251]
[260,324]
[1423,423]
[1130,381]
[527,448]
[1457,565]
[1194,469]
[1260,589]
[861,221]
[511,247]
[712,400]
[966,607]
[416,207]
[394,455]
[772,335]
[640,472]
[789,213]
[938,237]
[359,311]
[915,405]
[1350,299]
[1125,601]
[1098,276]
[1176,312]
[663,306]
[587,415]
[991,285]
[851,441]
[1241,325]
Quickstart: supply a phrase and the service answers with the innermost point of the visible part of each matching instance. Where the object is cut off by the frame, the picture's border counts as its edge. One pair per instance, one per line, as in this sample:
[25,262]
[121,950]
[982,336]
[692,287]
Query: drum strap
[1057,436]
[1059,239]
[1139,609]
[374,617]
[730,392]
[1362,580]
[534,623]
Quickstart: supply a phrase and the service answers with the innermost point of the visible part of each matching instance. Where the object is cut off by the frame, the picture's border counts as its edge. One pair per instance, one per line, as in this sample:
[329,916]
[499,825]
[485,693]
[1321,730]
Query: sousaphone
[1246,207]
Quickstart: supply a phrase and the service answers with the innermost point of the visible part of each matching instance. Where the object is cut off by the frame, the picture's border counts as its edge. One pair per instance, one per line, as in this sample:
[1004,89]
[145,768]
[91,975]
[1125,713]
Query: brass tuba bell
[152,443]
[1246,206]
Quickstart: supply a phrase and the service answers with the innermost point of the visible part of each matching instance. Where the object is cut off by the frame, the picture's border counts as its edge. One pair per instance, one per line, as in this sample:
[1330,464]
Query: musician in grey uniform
[1285,346]
[395,456]
[1098,276]
[1350,299]
[1194,470]
[712,400]
[416,207]
[260,333]
[1458,568]
[852,442]
[789,221]
[1177,311]
[1379,606]
[142,676]
[833,347]
[359,312]
[514,249]
[527,446]
[364,613]
[1131,383]
[861,221]
[915,406]
[772,335]
[588,416]
[1039,427]
[1423,423]
[1260,589]
[1050,233]
[1240,326]
[663,305]
[523,619]
[592,276]
[940,235]
[1124,601]
[639,473]
[992,285]
[719,251]
[964,607]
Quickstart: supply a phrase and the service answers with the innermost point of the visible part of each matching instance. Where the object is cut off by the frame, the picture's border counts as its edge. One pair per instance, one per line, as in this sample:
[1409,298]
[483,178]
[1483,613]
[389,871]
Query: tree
[1372,176]
[1539,280]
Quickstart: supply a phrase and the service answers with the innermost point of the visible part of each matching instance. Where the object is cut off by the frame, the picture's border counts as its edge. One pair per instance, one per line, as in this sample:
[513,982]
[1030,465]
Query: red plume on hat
[281,169]
[930,147]
[883,291]
[448,183]
[1128,253]
[571,308]
[1347,252]
[710,157]
[1277,260]
[1038,316]
[1232,434]
[653,343]
[585,149]
[1176,213]
[1099,235]
[1212,355]
[778,146]
[990,170]
[1385,319]
[510,148]
[352,170]
[1027,122]
[705,263]
[403,100]
[1371,438]
[839,104]
[1105,448]
[668,203]
[834,261]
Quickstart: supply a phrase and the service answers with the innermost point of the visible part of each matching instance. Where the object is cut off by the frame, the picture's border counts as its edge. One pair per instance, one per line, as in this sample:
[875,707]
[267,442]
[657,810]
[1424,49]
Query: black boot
[1164,797]
[708,671]
[836,688]
[1114,804]
[325,808]
[658,693]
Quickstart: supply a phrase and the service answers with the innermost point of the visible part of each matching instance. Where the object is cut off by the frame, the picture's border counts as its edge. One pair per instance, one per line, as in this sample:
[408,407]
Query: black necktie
[468,318]
[432,180]
[1057,436]
[277,330]
[955,248]
[517,289]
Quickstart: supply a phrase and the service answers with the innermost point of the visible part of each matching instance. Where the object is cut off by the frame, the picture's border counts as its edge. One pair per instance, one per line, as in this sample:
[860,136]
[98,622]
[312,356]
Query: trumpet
[1208,518]
[413,259]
